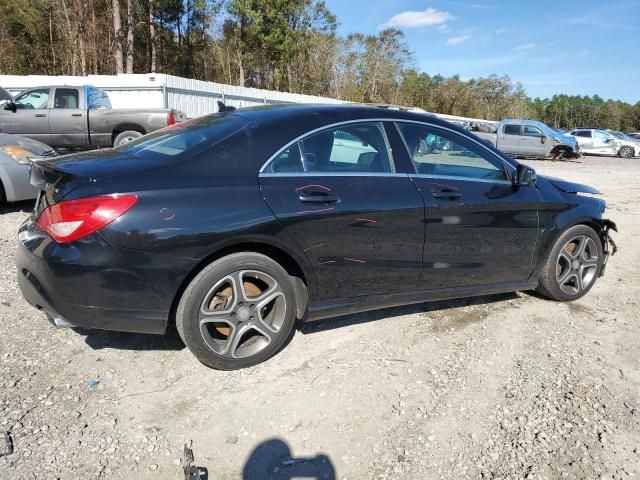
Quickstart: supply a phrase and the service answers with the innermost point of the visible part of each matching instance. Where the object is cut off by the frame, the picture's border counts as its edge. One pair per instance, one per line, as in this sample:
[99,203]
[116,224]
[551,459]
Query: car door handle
[76,114]
[445,193]
[41,114]
[317,197]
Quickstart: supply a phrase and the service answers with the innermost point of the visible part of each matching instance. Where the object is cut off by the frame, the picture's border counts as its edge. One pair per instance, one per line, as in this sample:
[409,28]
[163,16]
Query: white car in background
[596,141]
[15,154]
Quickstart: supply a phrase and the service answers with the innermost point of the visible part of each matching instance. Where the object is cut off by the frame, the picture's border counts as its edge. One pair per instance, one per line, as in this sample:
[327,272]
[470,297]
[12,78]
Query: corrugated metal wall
[194,97]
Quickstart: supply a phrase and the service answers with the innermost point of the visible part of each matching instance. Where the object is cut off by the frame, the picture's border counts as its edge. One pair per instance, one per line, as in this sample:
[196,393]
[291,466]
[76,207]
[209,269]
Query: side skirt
[334,308]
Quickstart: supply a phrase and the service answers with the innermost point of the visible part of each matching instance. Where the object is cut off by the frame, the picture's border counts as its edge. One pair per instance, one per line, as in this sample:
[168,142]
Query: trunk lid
[57,177]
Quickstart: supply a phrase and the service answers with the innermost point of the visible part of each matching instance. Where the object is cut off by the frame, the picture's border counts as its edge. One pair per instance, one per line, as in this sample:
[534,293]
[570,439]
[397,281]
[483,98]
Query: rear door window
[66,98]
[512,129]
[351,148]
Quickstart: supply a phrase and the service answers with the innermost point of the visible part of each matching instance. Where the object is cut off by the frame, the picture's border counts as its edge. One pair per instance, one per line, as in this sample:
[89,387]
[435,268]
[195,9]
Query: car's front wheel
[573,265]
[237,312]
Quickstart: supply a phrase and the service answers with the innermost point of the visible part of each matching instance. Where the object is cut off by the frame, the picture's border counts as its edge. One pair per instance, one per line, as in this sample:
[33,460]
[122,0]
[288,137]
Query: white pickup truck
[530,139]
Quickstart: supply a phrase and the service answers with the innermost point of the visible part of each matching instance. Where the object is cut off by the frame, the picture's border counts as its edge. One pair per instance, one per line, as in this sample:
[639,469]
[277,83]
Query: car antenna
[223,108]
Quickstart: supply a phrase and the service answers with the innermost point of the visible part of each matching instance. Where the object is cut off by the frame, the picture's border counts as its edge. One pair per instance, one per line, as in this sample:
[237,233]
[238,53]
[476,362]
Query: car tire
[126,137]
[626,152]
[573,265]
[228,327]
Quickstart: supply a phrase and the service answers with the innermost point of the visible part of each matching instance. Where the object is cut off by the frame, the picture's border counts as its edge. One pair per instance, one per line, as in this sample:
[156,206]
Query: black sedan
[234,225]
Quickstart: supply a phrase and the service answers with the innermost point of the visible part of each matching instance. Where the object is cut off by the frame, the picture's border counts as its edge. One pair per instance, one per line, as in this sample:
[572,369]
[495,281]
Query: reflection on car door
[358,221]
[480,228]
[67,118]
[31,116]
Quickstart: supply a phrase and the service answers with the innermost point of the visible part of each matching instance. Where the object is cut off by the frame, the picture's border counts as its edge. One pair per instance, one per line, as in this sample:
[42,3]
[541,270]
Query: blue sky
[583,47]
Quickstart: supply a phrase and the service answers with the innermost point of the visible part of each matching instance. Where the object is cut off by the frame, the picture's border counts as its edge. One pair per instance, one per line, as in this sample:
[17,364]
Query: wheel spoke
[589,264]
[579,284]
[565,276]
[238,281]
[263,330]
[233,340]
[566,256]
[206,302]
[580,248]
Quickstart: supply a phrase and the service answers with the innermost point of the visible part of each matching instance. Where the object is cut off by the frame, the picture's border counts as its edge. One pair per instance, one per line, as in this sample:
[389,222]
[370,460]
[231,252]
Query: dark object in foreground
[6,445]
[191,472]
[236,224]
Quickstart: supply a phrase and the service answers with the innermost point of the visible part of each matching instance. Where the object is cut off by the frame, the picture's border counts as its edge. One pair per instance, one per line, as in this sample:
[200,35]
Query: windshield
[188,137]
[620,136]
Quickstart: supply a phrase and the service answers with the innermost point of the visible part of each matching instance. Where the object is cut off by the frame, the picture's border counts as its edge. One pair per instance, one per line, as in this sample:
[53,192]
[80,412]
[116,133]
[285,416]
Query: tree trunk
[117,28]
[130,28]
[152,38]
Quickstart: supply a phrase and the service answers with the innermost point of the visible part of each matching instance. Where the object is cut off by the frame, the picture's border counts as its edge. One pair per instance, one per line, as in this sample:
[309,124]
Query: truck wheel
[626,152]
[126,137]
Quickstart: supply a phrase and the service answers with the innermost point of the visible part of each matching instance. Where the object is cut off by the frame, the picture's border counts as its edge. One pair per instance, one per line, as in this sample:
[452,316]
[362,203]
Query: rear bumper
[94,284]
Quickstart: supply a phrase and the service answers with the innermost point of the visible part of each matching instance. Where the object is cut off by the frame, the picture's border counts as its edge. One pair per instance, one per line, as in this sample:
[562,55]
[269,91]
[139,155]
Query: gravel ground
[508,386]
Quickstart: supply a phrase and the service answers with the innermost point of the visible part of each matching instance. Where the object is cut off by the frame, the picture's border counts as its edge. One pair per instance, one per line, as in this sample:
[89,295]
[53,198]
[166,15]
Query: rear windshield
[188,138]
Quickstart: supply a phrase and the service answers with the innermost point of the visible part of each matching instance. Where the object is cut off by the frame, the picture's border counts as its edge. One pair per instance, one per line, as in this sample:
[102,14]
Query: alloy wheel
[577,265]
[242,314]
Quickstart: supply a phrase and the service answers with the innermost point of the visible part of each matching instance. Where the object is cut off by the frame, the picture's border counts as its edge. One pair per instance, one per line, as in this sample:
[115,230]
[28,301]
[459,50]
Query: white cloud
[443,28]
[526,46]
[458,40]
[425,18]
[500,31]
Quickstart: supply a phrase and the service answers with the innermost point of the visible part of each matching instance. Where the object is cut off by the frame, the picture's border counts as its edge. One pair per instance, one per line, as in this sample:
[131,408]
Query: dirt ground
[508,386]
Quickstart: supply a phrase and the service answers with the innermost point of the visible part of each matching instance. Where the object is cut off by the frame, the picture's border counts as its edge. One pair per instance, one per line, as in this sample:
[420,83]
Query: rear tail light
[74,219]
[171,118]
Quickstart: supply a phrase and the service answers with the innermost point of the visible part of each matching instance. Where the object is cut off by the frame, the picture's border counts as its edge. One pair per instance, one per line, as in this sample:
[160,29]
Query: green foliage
[287,45]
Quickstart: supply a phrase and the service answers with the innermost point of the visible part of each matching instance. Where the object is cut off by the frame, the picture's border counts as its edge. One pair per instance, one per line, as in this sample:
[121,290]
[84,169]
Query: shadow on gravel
[388,313]
[98,339]
[24,206]
[272,459]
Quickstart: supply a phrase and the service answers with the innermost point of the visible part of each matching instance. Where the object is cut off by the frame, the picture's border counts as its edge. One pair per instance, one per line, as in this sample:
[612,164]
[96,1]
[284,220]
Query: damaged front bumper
[609,247]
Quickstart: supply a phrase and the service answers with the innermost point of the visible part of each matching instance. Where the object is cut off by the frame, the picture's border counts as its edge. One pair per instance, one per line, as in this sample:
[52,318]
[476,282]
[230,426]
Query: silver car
[15,154]
[596,141]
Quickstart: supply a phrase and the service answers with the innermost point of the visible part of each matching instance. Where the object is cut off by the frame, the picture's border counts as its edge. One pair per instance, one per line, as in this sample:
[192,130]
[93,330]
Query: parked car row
[596,141]
[529,139]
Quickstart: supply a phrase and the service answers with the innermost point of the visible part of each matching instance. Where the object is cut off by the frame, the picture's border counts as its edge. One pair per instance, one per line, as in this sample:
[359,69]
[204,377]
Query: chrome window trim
[334,174]
[463,179]
[376,119]
[379,124]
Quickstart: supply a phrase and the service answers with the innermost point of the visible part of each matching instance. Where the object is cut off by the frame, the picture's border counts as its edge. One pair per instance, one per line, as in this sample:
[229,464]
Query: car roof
[332,113]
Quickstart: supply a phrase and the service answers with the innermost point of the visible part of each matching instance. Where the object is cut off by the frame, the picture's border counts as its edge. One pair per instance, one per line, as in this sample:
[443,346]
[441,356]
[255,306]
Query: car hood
[38,148]
[571,187]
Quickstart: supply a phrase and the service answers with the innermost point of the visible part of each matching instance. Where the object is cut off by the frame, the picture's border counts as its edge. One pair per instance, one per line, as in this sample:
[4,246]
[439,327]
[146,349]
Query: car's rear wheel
[237,312]
[573,265]
[626,152]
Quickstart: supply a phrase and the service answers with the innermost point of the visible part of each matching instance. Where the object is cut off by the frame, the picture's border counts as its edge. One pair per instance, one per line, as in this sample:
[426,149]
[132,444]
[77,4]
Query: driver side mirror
[10,105]
[543,139]
[525,176]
